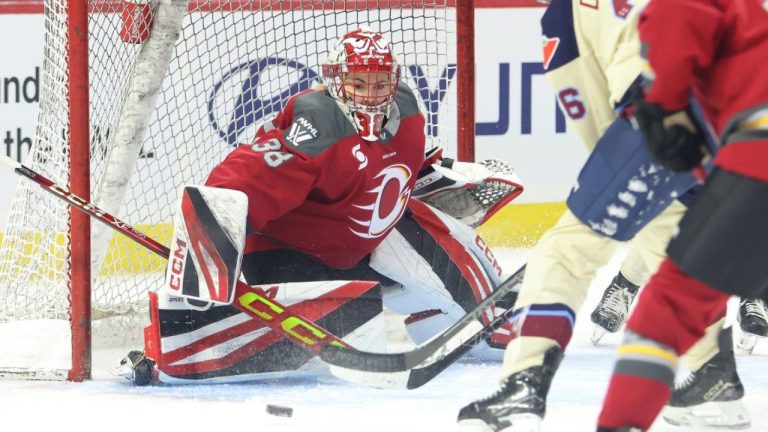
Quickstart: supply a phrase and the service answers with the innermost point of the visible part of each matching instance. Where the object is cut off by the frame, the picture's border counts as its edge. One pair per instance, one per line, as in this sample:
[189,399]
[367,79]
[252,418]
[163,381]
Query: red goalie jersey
[314,185]
[718,49]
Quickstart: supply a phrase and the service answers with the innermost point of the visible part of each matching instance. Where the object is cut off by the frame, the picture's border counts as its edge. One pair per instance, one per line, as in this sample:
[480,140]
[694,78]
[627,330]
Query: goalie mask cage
[150,98]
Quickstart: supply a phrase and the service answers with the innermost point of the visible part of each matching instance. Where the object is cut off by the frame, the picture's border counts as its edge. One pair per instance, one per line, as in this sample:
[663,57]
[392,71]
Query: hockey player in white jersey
[592,57]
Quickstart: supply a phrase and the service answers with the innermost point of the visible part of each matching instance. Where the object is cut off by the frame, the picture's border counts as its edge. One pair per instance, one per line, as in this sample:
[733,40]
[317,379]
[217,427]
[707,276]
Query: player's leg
[628,196]
[201,342]
[611,202]
[242,348]
[623,194]
[724,224]
[646,250]
[558,274]
[670,316]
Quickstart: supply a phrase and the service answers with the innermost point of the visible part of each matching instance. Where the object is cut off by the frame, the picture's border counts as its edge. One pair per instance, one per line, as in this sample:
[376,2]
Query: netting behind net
[233,64]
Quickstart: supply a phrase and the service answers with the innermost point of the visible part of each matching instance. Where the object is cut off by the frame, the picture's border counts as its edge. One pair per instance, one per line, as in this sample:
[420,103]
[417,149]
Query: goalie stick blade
[398,362]
[422,375]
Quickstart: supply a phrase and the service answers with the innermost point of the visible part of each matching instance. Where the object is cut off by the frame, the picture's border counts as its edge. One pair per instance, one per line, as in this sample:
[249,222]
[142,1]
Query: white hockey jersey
[592,57]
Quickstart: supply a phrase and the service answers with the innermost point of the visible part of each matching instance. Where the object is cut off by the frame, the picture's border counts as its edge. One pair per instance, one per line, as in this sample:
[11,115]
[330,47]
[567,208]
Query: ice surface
[322,402]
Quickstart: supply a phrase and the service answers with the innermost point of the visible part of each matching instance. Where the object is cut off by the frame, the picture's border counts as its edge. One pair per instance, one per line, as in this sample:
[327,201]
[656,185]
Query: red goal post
[165,104]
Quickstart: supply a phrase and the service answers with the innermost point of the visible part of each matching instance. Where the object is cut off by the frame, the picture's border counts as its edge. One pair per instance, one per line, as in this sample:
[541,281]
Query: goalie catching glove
[469,192]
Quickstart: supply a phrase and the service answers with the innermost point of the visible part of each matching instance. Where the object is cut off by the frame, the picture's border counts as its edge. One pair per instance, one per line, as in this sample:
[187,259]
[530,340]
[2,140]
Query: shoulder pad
[558,35]
[406,101]
[316,125]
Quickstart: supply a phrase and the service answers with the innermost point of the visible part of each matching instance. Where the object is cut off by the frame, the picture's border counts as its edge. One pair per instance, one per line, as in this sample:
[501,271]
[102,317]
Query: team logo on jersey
[391,199]
[360,156]
[301,130]
[550,47]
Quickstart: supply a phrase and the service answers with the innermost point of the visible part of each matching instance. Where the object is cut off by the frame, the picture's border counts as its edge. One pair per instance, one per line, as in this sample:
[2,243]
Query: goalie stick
[419,376]
[255,303]
[379,362]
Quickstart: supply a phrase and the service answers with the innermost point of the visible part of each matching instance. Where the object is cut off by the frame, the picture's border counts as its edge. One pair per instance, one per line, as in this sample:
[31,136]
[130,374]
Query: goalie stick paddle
[255,303]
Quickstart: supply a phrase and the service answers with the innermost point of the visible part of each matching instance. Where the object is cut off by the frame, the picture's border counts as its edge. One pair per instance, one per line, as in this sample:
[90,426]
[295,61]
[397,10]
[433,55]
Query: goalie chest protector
[336,196]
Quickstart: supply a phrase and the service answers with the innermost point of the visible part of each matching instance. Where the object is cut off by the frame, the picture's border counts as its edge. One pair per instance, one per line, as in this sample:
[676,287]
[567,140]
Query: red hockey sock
[632,401]
[672,313]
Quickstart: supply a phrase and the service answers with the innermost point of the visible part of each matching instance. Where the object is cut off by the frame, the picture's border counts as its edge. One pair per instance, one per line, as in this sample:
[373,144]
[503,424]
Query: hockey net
[168,102]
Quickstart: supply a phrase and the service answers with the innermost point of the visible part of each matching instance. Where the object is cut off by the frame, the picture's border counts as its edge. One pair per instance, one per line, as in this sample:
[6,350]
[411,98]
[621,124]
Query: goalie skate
[753,324]
[137,368]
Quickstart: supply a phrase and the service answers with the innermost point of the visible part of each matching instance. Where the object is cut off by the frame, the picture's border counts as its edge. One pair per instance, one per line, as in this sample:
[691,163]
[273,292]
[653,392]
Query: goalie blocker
[430,261]
[207,246]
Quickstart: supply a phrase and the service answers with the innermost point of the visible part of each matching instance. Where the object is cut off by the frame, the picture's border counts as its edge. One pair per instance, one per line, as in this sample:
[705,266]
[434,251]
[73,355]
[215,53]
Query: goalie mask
[362,74]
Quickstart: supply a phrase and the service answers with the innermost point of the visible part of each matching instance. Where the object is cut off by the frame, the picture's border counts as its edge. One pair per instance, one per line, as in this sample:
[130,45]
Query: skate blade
[524,423]
[122,370]
[519,423]
[746,342]
[709,415]
[474,425]
[597,335]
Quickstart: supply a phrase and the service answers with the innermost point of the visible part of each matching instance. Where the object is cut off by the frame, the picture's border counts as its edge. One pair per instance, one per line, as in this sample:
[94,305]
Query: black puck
[278,410]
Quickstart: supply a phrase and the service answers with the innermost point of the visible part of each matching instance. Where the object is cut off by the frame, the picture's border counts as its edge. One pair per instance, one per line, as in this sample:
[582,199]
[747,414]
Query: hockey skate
[612,310]
[711,396]
[137,368]
[753,322]
[519,405]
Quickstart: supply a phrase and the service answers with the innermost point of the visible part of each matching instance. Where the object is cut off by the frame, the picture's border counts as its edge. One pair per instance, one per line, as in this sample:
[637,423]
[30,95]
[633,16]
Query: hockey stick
[419,376]
[379,362]
[255,303]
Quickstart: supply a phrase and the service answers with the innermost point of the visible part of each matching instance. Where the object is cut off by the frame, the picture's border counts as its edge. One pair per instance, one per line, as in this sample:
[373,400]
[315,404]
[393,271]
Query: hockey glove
[469,192]
[673,139]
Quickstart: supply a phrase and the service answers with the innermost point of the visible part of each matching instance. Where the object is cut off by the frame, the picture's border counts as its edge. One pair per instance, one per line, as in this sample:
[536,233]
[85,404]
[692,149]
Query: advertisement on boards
[21,55]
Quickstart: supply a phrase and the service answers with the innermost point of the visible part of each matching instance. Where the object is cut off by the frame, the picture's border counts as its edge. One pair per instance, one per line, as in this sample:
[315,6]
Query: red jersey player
[716,50]
[329,183]
[331,163]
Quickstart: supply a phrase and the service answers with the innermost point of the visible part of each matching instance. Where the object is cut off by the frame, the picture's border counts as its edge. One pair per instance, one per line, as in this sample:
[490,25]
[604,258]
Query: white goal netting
[164,111]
